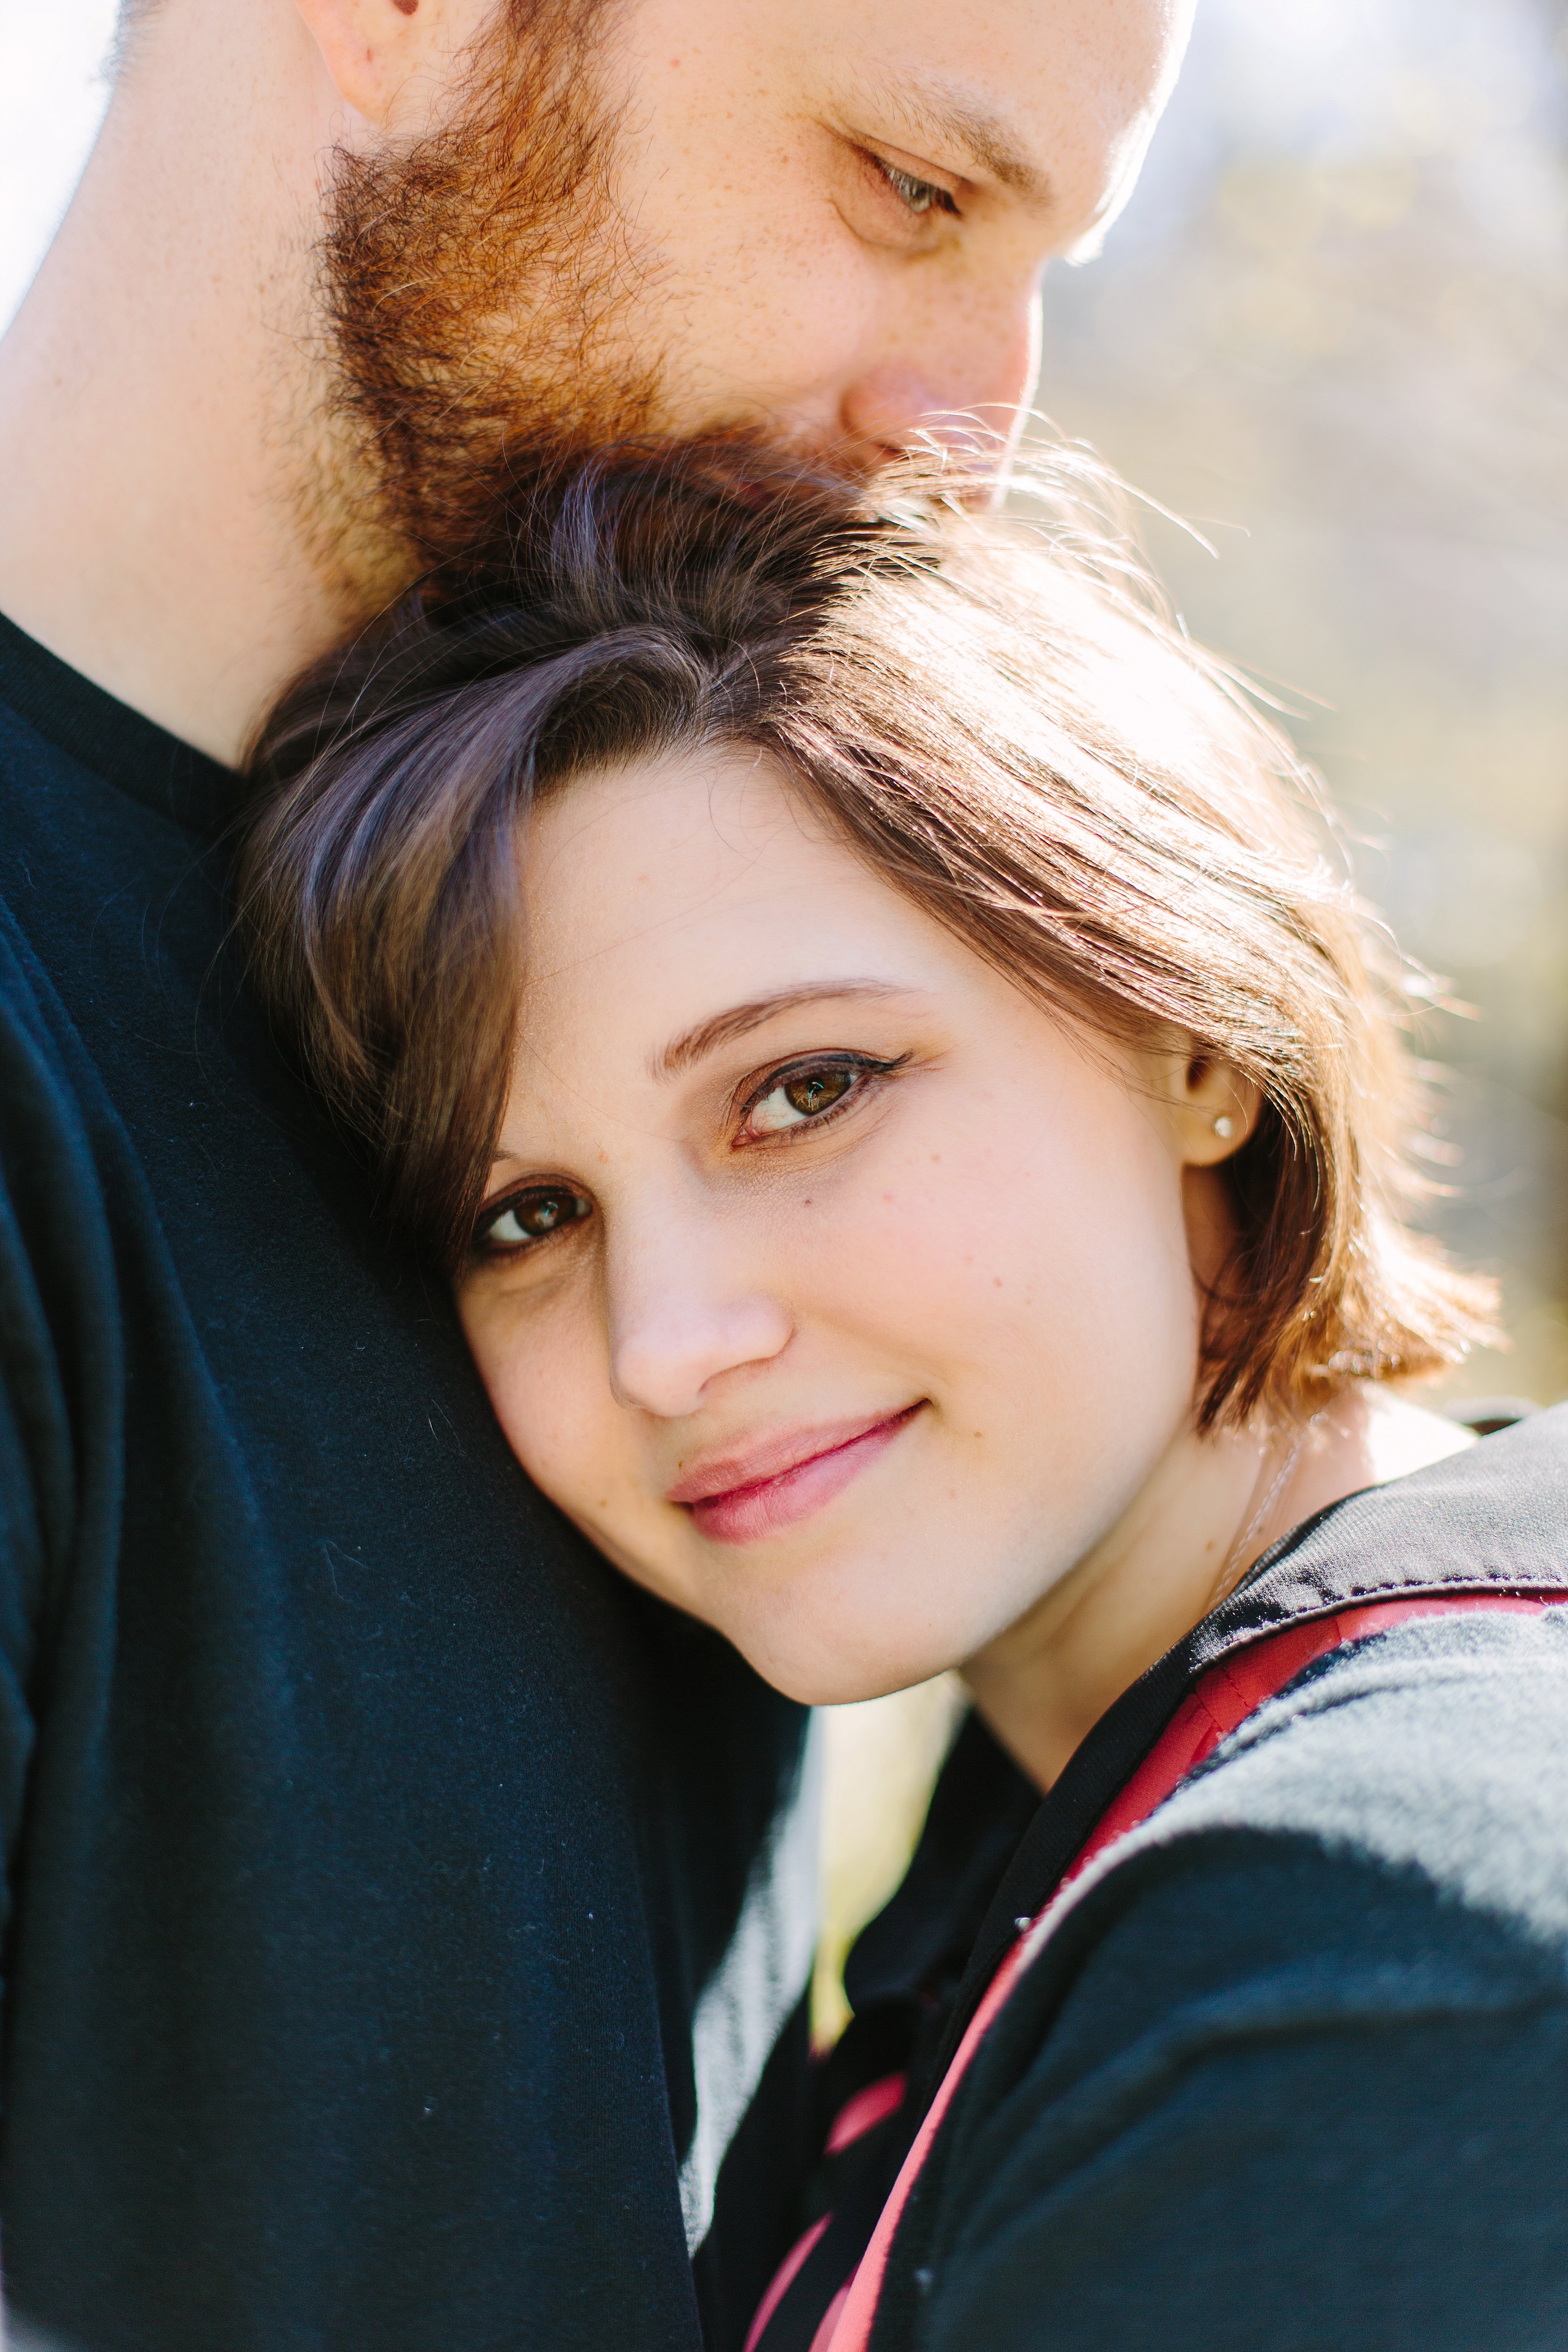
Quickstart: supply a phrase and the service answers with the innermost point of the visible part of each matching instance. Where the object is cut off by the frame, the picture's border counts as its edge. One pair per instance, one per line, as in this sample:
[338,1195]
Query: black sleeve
[61,1383]
[1289,2101]
[21,1552]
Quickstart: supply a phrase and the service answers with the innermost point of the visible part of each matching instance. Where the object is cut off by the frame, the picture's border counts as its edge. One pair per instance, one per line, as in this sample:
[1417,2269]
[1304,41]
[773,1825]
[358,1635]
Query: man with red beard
[407,1926]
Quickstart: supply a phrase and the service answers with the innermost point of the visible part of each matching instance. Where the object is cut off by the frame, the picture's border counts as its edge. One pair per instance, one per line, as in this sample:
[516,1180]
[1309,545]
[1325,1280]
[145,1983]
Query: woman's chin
[830,1676]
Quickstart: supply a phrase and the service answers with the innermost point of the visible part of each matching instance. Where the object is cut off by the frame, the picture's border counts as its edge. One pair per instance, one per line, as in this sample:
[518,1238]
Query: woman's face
[836,1291]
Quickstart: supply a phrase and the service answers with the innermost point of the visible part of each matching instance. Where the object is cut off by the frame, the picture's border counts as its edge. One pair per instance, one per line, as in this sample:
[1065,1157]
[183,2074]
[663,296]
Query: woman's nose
[668,1341]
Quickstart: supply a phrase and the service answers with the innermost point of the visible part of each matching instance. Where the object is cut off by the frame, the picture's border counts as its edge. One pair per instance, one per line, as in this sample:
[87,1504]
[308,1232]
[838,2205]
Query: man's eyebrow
[725,1027]
[989,140]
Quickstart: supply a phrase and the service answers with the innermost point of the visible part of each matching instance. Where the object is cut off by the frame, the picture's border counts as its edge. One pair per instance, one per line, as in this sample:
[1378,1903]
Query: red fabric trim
[865,2110]
[823,2339]
[1227,1695]
[783,2280]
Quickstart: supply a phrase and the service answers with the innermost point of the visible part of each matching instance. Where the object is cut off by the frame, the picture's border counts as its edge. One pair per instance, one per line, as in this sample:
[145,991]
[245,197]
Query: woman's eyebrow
[725,1027]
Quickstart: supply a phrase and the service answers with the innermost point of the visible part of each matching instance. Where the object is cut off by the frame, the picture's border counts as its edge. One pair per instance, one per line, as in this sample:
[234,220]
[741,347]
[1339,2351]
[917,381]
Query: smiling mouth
[756,1506]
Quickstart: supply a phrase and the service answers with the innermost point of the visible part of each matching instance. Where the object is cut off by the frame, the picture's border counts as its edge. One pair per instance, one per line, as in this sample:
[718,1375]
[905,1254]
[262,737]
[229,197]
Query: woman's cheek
[541,1390]
[561,1431]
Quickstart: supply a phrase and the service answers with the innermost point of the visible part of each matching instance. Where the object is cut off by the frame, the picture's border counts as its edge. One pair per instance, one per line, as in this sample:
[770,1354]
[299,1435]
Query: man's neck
[157,400]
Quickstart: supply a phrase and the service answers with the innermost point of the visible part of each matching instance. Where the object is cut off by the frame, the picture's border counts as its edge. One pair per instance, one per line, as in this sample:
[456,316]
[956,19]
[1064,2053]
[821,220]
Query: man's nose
[982,380]
[676,1327]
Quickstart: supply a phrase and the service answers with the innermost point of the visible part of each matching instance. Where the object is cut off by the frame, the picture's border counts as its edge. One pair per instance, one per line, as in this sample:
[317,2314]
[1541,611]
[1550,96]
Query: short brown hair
[998,717]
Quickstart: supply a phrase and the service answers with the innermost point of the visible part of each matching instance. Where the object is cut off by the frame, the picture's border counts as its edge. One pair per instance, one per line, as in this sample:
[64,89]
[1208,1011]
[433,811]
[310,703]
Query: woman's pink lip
[758,1506]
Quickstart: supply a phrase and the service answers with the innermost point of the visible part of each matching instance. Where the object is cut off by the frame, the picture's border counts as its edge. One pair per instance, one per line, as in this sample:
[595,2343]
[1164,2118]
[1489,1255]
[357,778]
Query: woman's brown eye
[818,1091]
[803,1096]
[533,1217]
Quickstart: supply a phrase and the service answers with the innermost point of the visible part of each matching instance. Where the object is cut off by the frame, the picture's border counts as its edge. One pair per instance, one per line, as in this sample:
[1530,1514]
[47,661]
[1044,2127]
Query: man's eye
[921,196]
[528,1217]
[802,1097]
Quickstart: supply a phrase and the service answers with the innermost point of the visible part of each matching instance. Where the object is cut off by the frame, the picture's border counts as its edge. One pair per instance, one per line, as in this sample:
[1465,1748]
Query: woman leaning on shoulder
[877,1030]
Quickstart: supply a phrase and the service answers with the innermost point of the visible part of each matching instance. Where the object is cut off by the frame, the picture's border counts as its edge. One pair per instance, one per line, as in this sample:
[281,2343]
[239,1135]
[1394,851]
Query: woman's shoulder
[1387,1828]
[1431,1723]
[1491,1515]
[1422,1741]
[1317,2003]
[1273,2084]
[1431,1744]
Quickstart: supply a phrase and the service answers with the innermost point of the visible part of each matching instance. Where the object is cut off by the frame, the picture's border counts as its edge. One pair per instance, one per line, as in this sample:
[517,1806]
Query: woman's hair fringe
[997,712]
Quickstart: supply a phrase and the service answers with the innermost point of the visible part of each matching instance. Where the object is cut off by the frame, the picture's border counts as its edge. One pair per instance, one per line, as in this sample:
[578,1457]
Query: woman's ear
[389,59]
[1211,1106]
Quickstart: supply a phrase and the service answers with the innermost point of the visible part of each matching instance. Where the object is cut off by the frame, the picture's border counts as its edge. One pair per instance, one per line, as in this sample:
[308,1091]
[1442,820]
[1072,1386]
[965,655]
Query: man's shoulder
[67,831]
[111,840]
[62,734]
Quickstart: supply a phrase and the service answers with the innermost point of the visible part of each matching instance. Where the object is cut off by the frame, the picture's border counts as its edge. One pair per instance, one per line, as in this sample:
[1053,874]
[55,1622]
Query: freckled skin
[844,318]
[684,1314]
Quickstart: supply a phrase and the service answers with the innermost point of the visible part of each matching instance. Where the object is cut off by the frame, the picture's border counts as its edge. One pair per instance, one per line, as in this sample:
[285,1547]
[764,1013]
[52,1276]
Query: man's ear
[390,57]
[1213,1108]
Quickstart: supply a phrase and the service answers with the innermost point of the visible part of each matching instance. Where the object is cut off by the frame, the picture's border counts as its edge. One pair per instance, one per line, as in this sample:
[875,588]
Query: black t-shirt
[376,1858]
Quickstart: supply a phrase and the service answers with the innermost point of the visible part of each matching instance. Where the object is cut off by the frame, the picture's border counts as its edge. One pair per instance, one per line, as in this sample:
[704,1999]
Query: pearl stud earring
[1225,1126]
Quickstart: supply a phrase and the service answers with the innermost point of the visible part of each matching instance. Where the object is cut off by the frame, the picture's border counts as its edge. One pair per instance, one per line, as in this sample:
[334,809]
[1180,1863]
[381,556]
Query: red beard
[476,282]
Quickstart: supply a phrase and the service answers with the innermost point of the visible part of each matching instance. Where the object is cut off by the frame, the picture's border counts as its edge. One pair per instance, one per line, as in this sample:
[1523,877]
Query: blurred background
[1331,331]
